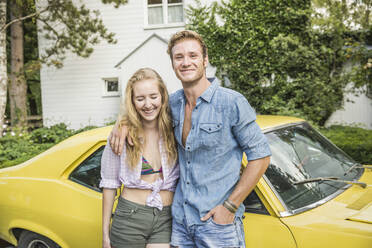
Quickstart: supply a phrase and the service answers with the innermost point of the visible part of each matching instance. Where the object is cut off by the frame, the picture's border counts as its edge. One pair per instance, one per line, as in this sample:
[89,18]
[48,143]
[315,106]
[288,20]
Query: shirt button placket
[188,168]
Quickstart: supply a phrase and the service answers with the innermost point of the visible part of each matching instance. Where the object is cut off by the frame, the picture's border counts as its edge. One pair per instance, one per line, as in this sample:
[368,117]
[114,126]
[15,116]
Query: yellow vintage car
[312,195]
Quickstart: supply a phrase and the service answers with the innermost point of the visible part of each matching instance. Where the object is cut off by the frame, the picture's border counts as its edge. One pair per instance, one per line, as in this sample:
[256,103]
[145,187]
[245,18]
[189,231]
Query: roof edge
[139,46]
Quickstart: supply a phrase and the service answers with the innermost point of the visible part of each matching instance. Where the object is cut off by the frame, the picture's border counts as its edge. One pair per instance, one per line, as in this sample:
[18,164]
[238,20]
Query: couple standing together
[183,160]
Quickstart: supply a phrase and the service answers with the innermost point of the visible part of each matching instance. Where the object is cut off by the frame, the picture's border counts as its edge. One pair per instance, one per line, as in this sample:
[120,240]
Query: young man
[213,126]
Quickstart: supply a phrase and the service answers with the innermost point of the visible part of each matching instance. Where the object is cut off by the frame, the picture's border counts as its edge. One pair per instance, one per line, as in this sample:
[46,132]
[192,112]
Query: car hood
[363,215]
[361,200]
[350,211]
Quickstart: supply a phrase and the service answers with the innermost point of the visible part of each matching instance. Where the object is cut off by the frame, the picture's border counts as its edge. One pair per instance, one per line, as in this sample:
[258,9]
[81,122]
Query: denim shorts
[135,225]
[208,235]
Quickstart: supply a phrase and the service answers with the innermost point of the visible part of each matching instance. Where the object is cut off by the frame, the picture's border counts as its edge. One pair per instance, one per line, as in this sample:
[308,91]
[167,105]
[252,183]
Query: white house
[357,110]
[87,91]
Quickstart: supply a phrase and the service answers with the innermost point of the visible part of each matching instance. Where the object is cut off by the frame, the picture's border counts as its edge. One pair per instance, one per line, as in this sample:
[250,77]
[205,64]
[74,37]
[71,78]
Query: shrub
[271,52]
[19,146]
[53,134]
[356,142]
[17,149]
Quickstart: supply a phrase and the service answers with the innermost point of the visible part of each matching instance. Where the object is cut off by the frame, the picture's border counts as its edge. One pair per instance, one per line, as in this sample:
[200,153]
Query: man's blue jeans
[208,235]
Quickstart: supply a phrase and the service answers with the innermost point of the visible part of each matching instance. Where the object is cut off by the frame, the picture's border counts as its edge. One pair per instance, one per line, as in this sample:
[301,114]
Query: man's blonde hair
[132,119]
[186,35]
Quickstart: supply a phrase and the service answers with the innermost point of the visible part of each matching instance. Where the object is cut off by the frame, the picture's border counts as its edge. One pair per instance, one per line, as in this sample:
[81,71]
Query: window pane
[88,173]
[253,204]
[300,153]
[175,13]
[155,15]
[154,1]
[174,1]
[112,86]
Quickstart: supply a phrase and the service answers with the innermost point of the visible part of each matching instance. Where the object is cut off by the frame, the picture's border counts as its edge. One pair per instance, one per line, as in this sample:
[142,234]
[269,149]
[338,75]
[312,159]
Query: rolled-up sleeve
[110,165]
[247,132]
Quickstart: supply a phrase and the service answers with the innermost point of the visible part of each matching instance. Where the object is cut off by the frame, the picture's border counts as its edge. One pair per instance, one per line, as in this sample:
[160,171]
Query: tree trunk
[3,66]
[18,85]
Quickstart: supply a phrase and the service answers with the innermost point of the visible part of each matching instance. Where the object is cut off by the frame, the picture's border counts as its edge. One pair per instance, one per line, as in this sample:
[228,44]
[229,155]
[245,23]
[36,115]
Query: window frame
[255,196]
[70,177]
[165,23]
[105,92]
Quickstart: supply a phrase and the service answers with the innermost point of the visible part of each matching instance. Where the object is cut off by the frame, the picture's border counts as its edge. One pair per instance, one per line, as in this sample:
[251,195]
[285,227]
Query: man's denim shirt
[222,128]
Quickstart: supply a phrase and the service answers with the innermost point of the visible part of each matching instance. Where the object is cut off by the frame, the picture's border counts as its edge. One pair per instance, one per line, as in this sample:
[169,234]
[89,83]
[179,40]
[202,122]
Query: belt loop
[156,211]
[135,209]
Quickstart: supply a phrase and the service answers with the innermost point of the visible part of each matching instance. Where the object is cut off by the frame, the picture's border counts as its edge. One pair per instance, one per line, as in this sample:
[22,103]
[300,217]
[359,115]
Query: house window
[111,87]
[164,12]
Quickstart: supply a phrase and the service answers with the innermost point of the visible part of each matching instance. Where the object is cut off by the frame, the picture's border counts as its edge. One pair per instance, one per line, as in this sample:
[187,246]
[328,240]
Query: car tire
[33,240]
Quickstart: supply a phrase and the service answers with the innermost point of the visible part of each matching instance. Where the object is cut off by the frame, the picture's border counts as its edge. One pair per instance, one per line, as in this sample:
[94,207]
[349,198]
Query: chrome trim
[315,204]
[275,193]
[282,126]
[285,213]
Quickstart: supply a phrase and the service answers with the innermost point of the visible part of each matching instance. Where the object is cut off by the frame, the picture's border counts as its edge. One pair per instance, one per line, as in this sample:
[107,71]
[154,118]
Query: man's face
[188,62]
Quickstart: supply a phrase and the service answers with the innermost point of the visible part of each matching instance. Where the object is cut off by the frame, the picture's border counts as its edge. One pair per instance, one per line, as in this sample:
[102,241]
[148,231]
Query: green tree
[3,65]
[349,24]
[272,54]
[66,24]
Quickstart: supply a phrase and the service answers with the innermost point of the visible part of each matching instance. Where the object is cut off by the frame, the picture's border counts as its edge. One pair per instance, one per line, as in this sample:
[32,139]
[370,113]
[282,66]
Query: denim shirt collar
[207,94]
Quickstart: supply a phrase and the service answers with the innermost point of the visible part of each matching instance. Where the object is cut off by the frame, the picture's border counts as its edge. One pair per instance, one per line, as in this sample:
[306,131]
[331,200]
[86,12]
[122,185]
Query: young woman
[148,169]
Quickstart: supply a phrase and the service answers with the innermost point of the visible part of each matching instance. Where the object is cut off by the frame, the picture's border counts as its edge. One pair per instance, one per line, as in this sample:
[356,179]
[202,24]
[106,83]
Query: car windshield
[298,153]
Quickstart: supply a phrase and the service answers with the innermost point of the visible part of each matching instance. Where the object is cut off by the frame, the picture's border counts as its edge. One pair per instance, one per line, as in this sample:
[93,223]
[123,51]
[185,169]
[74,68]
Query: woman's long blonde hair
[132,120]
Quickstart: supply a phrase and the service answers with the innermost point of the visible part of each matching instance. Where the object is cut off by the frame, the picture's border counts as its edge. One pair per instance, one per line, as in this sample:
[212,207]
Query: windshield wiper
[357,166]
[336,179]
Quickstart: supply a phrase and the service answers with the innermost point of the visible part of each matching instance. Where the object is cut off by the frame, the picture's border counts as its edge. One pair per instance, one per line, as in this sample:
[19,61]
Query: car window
[253,204]
[298,153]
[88,173]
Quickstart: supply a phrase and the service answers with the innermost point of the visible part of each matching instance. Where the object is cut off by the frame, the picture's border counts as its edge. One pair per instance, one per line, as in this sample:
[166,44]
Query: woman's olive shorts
[135,225]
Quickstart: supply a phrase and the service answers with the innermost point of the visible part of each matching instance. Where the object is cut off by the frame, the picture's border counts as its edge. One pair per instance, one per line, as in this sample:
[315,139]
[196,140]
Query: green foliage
[72,26]
[271,53]
[356,142]
[53,134]
[67,25]
[18,146]
[31,61]
[349,22]
[15,150]
[341,15]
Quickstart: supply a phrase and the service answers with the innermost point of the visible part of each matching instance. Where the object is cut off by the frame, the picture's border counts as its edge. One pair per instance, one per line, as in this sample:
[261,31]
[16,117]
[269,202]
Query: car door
[86,208]
[262,230]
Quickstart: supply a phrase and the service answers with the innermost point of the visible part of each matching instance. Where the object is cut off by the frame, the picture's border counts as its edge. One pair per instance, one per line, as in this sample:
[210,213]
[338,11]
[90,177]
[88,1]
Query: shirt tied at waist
[154,199]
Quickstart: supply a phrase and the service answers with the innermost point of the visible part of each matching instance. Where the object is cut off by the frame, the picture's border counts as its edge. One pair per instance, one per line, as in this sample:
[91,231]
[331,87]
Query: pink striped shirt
[115,171]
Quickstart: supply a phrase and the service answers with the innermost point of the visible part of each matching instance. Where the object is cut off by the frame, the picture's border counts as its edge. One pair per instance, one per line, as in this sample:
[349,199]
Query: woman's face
[147,99]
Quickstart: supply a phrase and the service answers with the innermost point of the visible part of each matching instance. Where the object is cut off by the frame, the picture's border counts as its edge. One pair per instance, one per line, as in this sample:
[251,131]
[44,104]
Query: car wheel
[33,240]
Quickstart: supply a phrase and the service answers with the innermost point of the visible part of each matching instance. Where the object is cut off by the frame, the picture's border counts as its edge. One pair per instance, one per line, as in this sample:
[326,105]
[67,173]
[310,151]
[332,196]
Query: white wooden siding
[73,94]
[357,113]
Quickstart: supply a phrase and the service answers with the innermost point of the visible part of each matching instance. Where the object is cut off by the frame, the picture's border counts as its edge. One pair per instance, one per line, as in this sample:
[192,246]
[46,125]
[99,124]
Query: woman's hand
[108,198]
